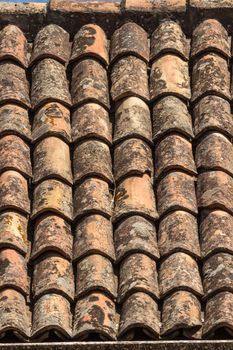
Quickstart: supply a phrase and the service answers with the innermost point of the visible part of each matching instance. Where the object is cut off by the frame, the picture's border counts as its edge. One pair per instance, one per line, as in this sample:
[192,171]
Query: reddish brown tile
[149,6]
[129,39]
[52,233]
[134,196]
[138,273]
[55,196]
[210,76]
[168,37]
[90,41]
[93,235]
[135,235]
[169,76]
[51,41]
[91,120]
[179,271]
[178,232]
[129,78]
[53,274]
[139,311]
[51,313]
[95,315]
[49,84]
[89,83]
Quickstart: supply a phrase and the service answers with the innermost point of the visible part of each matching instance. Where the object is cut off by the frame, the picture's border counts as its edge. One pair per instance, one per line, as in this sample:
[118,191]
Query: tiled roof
[116,176]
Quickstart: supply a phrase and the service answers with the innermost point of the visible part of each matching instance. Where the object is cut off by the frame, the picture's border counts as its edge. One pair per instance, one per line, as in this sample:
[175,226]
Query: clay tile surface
[91,120]
[170,114]
[129,78]
[210,76]
[210,35]
[174,152]
[53,119]
[51,41]
[13,271]
[218,314]
[49,84]
[13,228]
[93,235]
[13,45]
[92,196]
[89,83]
[215,191]
[135,235]
[14,316]
[14,192]
[15,155]
[15,120]
[129,39]
[169,76]
[92,158]
[213,113]
[214,152]
[169,38]
[95,315]
[14,86]
[53,195]
[138,273]
[216,233]
[53,274]
[179,271]
[176,191]
[51,313]
[139,311]
[217,274]
[95,273]
[135,195]
[132,119]
[90,41]
[181,313]
[52,233]
[178,231]
[132,157]
[52,160]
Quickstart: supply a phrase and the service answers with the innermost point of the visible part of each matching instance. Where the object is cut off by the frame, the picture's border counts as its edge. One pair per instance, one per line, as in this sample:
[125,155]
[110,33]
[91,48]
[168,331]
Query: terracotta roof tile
[169,76]
[92,196]
[43,89]
[132,157]
[53,119]
[170,114]
[129,39]
[14,86]
[129,78]
[93,235]
[53,274]
[13,228]
[91,120]
[139,312]
[210,36]
[179,271]
[51,41]
[135,235]
[89,83]
[13,45]
[168,37]
[135,196]
[138,273]
[181,314]
[52,233]
[53,195]
[90,41]
[178,232]
[51,313]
